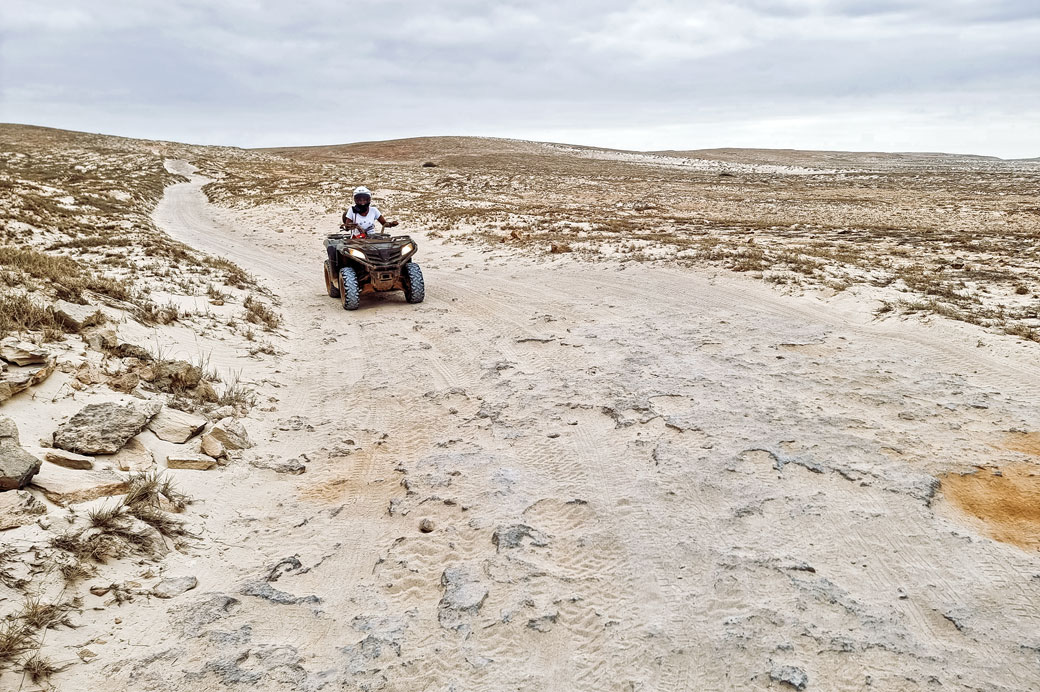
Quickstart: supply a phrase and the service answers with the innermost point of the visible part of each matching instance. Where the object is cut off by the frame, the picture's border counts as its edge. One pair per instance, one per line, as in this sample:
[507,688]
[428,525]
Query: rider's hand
[391,224]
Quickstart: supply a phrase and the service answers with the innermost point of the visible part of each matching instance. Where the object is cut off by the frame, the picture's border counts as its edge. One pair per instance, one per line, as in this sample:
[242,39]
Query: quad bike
[371,263]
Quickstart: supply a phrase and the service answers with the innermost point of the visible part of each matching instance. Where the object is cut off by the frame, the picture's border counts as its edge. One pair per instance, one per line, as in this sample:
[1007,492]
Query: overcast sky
[892,75]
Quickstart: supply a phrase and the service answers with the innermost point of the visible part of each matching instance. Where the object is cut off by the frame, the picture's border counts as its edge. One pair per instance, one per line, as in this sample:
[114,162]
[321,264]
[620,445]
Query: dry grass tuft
[259,313]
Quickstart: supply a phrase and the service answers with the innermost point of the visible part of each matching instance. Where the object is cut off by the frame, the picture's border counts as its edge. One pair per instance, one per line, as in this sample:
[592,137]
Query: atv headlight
[406,249]
[357,253]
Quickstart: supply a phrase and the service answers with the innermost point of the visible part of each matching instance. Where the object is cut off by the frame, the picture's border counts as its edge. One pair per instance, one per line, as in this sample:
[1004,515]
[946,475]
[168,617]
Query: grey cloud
[293,72]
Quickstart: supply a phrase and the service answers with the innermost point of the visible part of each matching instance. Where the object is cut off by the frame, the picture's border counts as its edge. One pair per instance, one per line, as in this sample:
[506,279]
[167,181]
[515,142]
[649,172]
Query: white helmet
[362,190]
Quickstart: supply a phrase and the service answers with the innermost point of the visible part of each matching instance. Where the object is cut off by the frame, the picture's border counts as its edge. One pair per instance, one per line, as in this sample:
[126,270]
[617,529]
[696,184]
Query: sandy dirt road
[638,478]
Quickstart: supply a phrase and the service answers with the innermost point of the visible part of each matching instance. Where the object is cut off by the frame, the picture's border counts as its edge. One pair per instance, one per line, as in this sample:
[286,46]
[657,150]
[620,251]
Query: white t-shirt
[367,222]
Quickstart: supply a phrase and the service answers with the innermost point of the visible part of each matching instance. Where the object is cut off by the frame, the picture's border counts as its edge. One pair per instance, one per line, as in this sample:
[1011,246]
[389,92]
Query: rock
[67,487]
[426,526]
[17,379]
[190,460]
[222,412]
[462,594]
[69,460]
[789,675]
[125,383]
[19,352]
[132,351]
[230,433]
[176,426]
[212,446]
[174,375]
[100,338]
[205,392]
[103,428]
[212,607]
[261,589]
[19,508]
[134,456]
[17,466]
[291,466]
[508,537]
[168,588]
[77,317]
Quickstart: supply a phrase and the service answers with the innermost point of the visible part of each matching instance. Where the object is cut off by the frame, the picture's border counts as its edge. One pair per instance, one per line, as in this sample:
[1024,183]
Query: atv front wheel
[414,288]
[349,292]
[329,286]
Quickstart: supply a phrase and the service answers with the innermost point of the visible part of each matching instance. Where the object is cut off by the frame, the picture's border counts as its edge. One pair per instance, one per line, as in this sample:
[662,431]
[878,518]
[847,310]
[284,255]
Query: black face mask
[361,209]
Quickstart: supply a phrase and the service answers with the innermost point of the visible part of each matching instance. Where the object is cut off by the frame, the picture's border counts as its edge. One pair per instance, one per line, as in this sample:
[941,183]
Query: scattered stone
[77,317]
[291,466]
[230,433]
[789,675]
[190,461]
[132,351]
[99,590]
[212,446]
[168,588]
[508,537]
[16,379]
[543,623]
[85,655]
[559,248]
[19,508]
[462,594]
[174,375]
[17,466]
[69,460]
[426,526]
[100,338]
[222,412]
[176,426]
[103,428]
[125,383]
[18,352]
[205,392]
[287,565]
[67,487]
[261,589]
[134,456]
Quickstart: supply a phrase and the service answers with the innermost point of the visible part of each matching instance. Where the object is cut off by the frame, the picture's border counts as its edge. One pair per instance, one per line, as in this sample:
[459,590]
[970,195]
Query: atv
[377,262]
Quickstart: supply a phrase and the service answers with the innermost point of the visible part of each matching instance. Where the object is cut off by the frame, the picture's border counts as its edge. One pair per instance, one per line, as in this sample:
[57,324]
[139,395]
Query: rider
[363,216]
[359,220]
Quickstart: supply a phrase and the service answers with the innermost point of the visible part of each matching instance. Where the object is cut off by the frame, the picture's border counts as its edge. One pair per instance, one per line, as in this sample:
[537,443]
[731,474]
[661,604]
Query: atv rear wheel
[349,292]
[414,288]
[329,286]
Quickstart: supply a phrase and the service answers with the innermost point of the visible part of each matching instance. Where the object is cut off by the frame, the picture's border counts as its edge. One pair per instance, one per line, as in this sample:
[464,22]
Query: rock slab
[190,460]
[168,588]
[66,487]
[17,466]
[176,426]
[19,508]
[230,433]
[134,456]
[19,352]
[69,460]
[103,428]
[17,379]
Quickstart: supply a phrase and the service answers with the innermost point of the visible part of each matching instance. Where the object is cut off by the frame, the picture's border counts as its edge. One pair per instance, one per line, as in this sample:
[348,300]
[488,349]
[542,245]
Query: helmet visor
[362,199]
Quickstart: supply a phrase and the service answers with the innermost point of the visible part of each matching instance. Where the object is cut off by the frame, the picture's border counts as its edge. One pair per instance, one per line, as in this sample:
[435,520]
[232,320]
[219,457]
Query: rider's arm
[387,223]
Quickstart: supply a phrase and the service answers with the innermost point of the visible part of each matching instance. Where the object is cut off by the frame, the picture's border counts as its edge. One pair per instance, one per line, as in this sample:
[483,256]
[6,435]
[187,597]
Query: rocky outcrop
[67,487]
[18,352]
[230,433]
[103,428]
[212,446]
[463,594]
[15,379]
[19,508]
[17,466]
[176,426]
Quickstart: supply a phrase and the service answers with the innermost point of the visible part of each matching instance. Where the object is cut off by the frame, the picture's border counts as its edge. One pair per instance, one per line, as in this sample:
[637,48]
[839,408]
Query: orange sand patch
[1027,443]
[1007,505]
